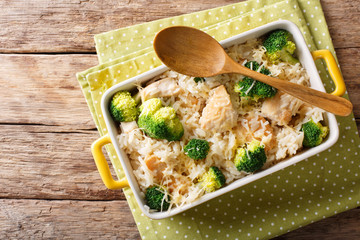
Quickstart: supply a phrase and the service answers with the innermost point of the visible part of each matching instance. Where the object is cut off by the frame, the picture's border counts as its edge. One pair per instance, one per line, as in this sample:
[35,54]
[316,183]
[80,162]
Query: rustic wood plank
[41,219]
[46,162]
[69,26]
[341,226]
[348,60]
[342,19]
[42,94]
[42,89]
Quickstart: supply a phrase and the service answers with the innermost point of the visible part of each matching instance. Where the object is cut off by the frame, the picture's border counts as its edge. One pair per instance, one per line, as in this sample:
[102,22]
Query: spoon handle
[330,103]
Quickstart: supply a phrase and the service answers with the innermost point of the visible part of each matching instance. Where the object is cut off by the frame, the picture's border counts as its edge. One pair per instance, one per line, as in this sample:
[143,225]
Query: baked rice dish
[186,136]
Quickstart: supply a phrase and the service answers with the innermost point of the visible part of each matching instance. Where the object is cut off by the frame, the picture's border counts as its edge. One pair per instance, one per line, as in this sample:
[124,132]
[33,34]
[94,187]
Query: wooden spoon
[194,53]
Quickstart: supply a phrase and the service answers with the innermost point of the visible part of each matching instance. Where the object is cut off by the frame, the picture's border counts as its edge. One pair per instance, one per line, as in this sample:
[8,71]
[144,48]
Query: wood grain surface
[66,219]
[69,26]
[49,185]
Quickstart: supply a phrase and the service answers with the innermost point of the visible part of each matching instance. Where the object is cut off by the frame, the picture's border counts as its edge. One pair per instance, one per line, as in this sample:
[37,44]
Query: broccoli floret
[279,47]
[160,122]
[212,179]
[253,65]
[250,158]
[197,149]
[123,107]
[199,79]
[155,198]
[256,90]
[314,133]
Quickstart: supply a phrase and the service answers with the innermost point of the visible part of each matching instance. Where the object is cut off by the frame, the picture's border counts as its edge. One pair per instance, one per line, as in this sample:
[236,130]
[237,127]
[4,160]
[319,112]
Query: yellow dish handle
[333,70]
[103,166]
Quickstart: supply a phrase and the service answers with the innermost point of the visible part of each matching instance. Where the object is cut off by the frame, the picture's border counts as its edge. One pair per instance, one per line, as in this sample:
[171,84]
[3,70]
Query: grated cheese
[181,173]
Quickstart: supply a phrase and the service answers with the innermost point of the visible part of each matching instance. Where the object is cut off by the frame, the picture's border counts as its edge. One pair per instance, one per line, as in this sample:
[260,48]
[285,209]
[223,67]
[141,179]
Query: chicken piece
[155,165]
[256,127]
[218,115]
[166,87]
[180,182]
[268,136]
[277,110]
[242,134]
[191,100]
[127,127]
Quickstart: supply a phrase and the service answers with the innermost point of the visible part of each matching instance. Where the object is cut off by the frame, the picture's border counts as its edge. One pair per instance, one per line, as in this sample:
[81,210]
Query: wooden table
[49,185]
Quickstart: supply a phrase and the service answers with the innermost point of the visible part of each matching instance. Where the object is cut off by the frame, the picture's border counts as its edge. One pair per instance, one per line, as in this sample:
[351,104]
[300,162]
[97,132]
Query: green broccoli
[123,107]
[256,90]
[160,122]
[279,47]
[314,133]
[155,198]
[197,149]
[254,65]
[199,79]
[212,179]
[250,158]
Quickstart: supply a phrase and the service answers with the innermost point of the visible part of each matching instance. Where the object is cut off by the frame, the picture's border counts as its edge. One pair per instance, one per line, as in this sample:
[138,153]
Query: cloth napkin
[315,188]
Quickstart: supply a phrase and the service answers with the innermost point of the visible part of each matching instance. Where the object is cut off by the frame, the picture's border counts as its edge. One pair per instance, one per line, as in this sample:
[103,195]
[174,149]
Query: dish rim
[307,62]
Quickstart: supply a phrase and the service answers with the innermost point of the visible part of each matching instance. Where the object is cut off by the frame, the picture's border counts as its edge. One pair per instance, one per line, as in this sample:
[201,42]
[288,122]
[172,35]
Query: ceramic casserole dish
[307,60]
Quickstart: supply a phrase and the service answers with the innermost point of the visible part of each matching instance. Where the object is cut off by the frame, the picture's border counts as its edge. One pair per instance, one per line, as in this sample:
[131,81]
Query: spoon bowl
[192,52]
[189,53]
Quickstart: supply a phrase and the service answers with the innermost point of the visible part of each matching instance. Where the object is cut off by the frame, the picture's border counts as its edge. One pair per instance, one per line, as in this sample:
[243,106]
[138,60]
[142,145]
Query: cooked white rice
[280,140]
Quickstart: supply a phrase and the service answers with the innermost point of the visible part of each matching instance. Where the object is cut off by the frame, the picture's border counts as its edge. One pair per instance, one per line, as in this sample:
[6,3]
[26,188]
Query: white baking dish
[306,60]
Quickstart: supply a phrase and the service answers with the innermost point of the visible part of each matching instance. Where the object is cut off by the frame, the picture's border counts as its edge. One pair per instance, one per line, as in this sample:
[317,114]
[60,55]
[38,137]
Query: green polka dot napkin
[315,188]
